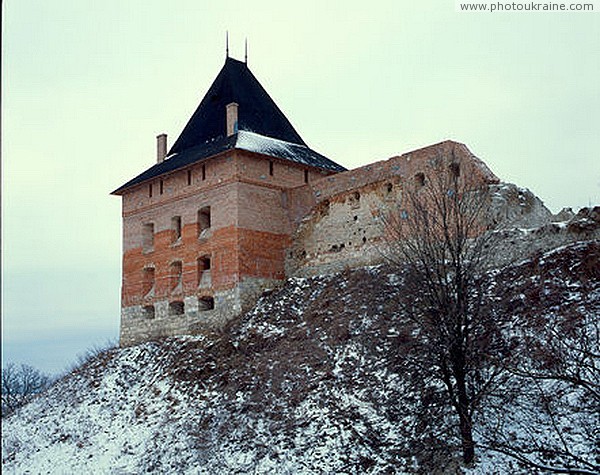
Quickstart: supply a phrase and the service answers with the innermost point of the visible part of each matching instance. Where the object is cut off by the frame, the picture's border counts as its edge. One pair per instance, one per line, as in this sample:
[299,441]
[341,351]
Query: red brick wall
[249,234]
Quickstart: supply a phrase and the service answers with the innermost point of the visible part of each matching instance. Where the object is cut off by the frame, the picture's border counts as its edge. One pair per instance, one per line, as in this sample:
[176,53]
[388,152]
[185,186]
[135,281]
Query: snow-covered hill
[310,382]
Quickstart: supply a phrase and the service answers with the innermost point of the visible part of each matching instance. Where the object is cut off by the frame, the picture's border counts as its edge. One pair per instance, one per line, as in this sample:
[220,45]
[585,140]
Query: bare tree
[438,241]
[19,385]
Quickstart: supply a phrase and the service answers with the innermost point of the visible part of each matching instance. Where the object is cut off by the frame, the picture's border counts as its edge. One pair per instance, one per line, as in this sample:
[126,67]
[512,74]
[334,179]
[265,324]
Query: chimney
[232,118]
[161,148]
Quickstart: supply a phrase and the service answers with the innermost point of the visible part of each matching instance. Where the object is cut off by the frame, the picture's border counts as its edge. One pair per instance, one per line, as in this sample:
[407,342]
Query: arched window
[149,312]
[204,220]
[176,274]
[176,308]
[420,180]
[206,303]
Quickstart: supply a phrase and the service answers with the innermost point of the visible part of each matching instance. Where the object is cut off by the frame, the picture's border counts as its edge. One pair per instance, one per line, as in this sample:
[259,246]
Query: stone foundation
[137,326]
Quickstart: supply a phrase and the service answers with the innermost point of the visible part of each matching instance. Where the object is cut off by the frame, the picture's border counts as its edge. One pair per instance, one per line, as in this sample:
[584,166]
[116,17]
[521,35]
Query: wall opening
[203,266]
[148,280]
[354,200]
[150,190]
[176,274]
[149,312]
[176,228]
[205,304]
[454,169]
[148,237]
[305,176]
[176,308]
[203,220]
[271,167]
[389,188]
[203,172]
[189,177]
[420,180]
[161,187]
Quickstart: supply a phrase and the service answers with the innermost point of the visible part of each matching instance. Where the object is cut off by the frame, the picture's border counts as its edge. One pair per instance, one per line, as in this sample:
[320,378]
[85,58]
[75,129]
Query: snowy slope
[308,382]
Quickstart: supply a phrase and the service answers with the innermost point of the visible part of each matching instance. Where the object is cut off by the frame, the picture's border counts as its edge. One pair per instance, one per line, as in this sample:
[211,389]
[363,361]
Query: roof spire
[227,43]
[246,51]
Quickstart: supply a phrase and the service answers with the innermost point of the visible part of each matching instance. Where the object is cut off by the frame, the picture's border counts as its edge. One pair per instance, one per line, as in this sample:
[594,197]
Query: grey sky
[87,86]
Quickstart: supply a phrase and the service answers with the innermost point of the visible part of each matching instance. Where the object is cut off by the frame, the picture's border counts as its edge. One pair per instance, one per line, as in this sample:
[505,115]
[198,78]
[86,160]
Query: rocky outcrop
[517,243]
[512,206]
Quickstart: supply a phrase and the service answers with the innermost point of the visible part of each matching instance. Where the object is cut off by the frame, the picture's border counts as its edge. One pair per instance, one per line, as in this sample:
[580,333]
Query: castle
[240,202]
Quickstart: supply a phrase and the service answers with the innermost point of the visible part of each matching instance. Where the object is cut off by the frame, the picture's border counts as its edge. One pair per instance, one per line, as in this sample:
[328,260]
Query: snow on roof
[257,143]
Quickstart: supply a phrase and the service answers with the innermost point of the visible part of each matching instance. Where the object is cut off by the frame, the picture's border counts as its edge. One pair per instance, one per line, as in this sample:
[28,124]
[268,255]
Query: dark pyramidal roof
[262,127]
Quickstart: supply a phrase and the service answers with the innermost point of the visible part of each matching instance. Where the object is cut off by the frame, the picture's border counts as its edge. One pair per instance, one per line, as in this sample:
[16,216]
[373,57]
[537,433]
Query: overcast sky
[87,86]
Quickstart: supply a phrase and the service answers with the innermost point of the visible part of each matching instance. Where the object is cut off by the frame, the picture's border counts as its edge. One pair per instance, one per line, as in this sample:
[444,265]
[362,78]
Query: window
[203,220]
[176,274]
[455,169]
[206,303]
[150,190]
[176,308]
[189,177]
[305,176]
[149,312]
[389,187]
[176,227]
[148,237]
[203,266]
[147,280]
[203,172]
[161,187]
[420,180]
[271,167]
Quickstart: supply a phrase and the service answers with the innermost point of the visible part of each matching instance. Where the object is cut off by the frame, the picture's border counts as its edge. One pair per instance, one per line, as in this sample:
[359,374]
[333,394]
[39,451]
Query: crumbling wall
[512,206]
[343,231]
[339,218]
[517,243]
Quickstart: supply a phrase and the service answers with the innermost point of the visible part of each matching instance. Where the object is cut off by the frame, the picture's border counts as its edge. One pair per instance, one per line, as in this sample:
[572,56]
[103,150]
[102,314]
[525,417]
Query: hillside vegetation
[315,380]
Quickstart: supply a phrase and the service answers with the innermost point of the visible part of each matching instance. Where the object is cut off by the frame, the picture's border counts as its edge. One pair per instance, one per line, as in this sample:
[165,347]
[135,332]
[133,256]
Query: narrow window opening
[455,169]
[271,167]
[203,265]
[149,312]
[161,187]
[189,177]
[203,172]
[203,220]
[206,303]
[148,280]
[148,237]
[150,190]
[176,308]
[389,187]
[305,176]
[176,274]
[420,180]
[176,227]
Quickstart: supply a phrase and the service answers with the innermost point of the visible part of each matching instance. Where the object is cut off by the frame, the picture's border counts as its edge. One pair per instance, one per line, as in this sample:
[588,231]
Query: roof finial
[246,51]
[227,43]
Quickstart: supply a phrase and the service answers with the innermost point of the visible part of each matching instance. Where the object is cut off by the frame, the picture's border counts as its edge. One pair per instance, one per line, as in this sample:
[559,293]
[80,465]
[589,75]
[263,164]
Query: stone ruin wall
[338,223]
[338,218]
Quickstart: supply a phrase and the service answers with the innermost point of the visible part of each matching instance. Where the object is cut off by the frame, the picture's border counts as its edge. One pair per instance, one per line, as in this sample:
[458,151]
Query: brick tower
[206,228]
